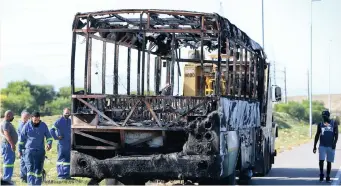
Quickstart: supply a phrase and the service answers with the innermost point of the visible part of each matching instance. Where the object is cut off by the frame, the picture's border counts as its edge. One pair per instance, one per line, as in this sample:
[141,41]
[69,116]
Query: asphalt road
[299,166]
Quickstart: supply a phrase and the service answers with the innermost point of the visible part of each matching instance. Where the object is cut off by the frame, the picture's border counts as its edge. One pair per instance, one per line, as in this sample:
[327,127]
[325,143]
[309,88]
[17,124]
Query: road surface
[299,166]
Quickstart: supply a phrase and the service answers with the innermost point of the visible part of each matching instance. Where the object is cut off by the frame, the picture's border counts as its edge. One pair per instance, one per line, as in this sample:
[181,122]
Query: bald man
[61,131]
[25,116]
[8,145]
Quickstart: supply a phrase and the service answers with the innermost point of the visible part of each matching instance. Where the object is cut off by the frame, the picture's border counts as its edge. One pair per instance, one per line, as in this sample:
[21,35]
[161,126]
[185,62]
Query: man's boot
[321,177]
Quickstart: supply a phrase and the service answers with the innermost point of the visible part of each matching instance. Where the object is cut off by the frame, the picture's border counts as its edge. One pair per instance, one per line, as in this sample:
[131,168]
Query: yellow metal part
[191,85]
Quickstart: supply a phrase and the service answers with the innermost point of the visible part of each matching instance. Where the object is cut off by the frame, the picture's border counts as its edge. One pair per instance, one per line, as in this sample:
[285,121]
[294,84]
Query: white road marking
[337,179]
[287,178]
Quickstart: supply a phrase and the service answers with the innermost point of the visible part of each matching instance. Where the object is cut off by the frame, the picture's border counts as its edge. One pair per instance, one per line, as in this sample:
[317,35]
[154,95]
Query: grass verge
[292,132]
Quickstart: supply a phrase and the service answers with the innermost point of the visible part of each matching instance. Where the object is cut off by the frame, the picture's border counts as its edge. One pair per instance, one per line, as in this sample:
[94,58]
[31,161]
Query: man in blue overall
[25,116]
[327,132]
[32,139]
[9,139]
[61,131]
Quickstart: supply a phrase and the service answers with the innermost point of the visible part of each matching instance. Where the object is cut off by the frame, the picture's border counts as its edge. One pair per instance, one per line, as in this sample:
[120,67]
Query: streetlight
[311,67]
[329,96]
[263,24]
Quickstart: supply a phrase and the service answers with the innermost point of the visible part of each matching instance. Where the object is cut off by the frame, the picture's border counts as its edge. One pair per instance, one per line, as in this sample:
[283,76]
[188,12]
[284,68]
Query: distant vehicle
[209,134]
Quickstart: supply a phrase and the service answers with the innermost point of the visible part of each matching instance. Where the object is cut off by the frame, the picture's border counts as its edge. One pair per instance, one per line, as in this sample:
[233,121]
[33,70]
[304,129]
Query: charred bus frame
[168,113]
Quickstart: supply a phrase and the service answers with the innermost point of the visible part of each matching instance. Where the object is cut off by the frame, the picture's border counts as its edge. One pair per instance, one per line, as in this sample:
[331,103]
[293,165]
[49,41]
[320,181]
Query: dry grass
[291,133]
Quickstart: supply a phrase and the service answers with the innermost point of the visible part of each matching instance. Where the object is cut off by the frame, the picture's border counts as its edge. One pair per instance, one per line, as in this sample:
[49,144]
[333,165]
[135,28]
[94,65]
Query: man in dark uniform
[327,132]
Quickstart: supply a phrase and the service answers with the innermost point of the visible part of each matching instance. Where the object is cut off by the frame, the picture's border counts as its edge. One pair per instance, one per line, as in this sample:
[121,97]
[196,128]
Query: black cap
[35,114]
[325,113]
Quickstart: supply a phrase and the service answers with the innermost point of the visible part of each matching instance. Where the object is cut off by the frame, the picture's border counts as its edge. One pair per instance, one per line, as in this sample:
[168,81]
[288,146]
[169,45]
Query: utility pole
[308,84]
[329,96]
[311,70]
[263,24]
[285,84]
[274,62]
[221,10]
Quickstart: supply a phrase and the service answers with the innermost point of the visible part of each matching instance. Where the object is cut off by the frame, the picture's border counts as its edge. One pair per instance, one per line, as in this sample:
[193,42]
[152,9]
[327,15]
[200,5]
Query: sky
[36,37]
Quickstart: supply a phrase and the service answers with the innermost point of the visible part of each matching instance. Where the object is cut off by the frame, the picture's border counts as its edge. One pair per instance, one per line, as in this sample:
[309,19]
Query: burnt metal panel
[128,70]
[239,114]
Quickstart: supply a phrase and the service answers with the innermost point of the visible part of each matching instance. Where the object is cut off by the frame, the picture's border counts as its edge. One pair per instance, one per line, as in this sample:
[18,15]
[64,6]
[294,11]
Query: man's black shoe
[328,179]
[321,177]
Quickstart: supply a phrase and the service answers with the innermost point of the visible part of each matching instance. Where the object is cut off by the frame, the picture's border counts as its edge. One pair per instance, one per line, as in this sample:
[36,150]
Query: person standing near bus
[61,131]
[32,139]
[9,139]
[327,132]
[25,116]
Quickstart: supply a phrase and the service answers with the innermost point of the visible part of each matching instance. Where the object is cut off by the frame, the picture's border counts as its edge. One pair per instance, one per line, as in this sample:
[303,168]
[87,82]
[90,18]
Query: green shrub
[300,111]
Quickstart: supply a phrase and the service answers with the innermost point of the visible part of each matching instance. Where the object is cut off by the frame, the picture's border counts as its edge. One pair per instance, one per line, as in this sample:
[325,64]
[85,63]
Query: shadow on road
[292,176]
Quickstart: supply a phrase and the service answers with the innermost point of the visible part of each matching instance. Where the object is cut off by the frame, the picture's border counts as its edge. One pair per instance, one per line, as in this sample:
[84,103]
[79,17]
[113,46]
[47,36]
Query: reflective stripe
[8,165]
[63,163]
[49,139]
[34,174]
[21,143]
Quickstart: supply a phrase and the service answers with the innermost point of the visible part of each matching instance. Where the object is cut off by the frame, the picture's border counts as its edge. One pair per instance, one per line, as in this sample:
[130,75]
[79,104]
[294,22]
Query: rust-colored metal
[172,63]
[227,74]
[97,139]
[148,21]
[218,77]
[130,113]
[162,30]
[115,73]
[240,72]
[153,113]
[104,61]
[135,11]
[250,76]
[96,110]
[128,128]
[89,65]
[89,96]
[128,70]
[255,77]
[246,62]
[235,50]
[122,138]
[86,57]
[148,68]
[98,96]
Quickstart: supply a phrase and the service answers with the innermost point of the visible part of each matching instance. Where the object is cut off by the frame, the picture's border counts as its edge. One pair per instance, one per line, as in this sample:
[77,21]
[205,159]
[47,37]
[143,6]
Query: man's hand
[13,148]
[19,154]
[48,147]
[334,146]
[60,137]
[314,150]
